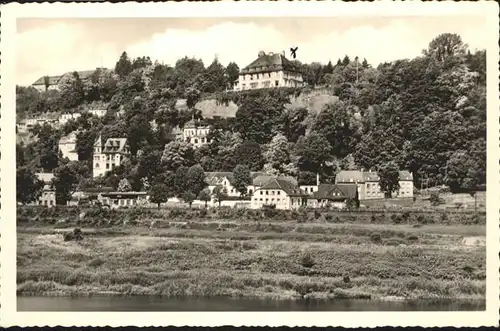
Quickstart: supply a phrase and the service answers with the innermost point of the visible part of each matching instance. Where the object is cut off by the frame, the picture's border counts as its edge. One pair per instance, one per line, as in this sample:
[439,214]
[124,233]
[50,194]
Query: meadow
[247,253]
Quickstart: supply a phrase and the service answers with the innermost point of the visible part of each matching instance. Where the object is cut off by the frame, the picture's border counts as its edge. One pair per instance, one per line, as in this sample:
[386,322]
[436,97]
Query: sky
[55,46]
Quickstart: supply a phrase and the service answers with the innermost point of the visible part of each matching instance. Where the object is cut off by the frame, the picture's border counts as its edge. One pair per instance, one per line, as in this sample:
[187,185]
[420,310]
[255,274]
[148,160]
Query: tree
[124,66]
[72,93]
[28,186]
[180,181]
[177,154]
[389,178]
[249,153]
[446,46]
[232,72]
[66,180]
[219,193]
[188,197]
[242,178]
[160,193]
[205,196]
[277,154]
[195,179]
[124,185]
[313,152]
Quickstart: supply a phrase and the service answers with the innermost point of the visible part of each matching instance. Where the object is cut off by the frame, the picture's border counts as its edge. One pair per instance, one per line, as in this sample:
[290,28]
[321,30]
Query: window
[196,141]
[279,192]
[260,199]
[272,192]
[107,165]
[251,77]
[51,202]
[97,165]
[267,192]
[261,192]
[276,83]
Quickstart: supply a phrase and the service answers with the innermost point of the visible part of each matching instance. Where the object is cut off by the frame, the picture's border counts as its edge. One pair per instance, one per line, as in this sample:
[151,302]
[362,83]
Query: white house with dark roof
[368,183]
[196,133]
[48,196]
[269,71]
[109,155]
[67,146]
[333,195]
[47,83]
[280,193]
[226,179]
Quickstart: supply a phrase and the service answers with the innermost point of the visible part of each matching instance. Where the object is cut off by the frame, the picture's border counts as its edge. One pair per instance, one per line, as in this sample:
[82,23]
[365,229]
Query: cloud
[61,47]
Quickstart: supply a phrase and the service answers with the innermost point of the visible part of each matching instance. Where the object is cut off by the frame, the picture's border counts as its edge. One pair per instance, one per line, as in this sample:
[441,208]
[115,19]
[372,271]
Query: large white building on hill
[269,71]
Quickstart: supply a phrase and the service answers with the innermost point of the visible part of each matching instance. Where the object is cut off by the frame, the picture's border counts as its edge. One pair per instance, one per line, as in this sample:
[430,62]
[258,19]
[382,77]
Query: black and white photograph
[250,163]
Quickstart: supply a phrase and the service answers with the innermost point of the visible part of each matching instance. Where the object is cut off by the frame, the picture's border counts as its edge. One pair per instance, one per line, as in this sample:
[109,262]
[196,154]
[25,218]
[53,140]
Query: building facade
[196,133]
[48,196]
[280,194]
[67,146]
[123,199]
[368,183]
[98,112]
[269,70]
[109,155]
[47,83]
[66,117]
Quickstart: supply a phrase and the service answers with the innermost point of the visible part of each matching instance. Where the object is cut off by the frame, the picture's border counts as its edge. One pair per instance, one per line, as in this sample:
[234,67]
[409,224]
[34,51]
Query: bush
[307,260]
[376,238]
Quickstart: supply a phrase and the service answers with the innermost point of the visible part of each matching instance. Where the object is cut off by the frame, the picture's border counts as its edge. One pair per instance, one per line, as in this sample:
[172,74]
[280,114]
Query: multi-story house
[196,133]
[67,146]
[109,155]
[28,123]
[268,71]
[280,193]
[66,117]
[368,183]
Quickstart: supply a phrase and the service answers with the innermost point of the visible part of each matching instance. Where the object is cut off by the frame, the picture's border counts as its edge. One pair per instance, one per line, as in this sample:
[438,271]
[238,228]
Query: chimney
[261,53]
[317,179]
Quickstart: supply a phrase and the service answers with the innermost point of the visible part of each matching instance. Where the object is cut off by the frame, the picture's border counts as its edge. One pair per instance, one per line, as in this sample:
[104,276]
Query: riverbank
[244,258]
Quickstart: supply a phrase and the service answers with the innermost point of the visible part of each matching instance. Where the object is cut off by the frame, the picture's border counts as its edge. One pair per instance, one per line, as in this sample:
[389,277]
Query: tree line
[426,115]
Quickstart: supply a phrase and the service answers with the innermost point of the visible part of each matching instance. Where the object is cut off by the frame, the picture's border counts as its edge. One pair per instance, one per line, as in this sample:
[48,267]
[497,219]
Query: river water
[146,303]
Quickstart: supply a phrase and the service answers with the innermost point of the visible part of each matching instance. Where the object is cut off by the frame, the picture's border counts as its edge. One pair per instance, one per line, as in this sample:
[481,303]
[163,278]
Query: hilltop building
[47,83]
[196,133]
[67,146]
[368,183]
[269,71]
[109,155]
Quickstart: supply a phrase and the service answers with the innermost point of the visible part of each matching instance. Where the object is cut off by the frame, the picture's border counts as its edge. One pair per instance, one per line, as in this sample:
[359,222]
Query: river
[146,303]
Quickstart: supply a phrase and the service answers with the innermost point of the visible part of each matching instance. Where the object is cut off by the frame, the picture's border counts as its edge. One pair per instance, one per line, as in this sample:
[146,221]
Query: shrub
[317,214]
[376,238]
[307,260]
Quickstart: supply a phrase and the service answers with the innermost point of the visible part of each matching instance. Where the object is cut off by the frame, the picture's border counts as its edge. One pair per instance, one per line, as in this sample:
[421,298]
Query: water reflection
[146,303]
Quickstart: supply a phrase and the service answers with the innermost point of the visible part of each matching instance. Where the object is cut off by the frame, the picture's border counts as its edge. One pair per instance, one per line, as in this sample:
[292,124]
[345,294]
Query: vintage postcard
[260,163]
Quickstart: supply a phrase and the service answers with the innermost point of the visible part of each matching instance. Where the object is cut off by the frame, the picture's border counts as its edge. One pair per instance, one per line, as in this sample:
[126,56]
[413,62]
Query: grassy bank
[277,258]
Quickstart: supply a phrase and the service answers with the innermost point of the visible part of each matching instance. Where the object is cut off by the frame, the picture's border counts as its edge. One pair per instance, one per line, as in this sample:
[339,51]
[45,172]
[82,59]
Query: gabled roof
[53,80]
[192,124]
[216,178]
[69,139]
[270,62]
[336,191]
[405,175]
[261,179]
[283,184]
[114,145]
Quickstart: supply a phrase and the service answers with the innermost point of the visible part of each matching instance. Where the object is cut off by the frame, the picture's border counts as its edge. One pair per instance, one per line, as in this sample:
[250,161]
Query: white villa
[196,133]
[268,71]
[109,155]
[280,193]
